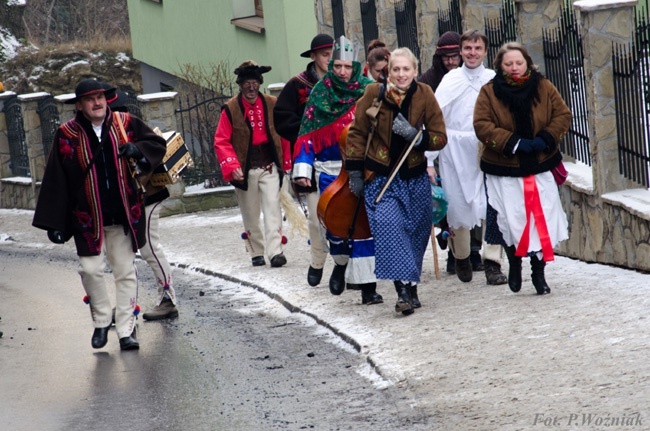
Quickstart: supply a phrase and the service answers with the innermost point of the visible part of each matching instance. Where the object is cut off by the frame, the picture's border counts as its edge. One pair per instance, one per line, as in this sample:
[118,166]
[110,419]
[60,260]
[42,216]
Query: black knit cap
[448,44]
[88,87]
[320,41]
[250,70]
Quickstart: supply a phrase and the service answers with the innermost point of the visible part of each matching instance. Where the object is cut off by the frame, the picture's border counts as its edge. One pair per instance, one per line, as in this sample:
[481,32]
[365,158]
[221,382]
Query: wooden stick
[435,253]
[399,165]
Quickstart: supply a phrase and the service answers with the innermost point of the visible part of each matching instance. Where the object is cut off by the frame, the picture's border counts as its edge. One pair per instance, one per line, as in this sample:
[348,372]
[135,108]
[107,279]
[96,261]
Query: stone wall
[158,110]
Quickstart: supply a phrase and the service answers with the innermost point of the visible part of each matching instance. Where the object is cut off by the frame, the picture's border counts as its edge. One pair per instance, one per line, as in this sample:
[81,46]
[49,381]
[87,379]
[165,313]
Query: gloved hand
[356,183]
[130,151]
[403,128]
[530,145]
[56,236]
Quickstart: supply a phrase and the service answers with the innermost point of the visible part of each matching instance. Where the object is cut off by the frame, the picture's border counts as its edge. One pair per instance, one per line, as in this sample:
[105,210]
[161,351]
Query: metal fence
[406,23]
[501,30]
[197,116]
[337,18]
[19,161]
[631,64]
[564,62]
[48,113]
[369,22]
[450,19]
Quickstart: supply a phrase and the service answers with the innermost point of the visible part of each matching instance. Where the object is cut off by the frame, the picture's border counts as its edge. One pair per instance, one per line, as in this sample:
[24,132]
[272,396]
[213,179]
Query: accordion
[177,158]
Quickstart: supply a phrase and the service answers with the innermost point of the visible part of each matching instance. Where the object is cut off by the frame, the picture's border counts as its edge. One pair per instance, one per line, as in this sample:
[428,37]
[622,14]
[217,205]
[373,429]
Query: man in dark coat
[288,115]
[89,193]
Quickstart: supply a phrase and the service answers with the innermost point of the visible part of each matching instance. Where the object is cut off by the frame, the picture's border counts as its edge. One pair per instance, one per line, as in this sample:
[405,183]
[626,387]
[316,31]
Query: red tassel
[136,310]
[244,235]
[87,299]
[284,239]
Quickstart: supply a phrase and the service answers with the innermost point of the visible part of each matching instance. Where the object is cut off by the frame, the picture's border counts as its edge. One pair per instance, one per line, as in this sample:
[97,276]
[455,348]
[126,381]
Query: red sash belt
[534,207]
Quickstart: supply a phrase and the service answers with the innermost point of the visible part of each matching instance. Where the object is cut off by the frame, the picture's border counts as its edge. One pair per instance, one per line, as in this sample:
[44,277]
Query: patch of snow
[8,44]
[123,57]
[580,175]
[74,64]
[16,2]
[19,180]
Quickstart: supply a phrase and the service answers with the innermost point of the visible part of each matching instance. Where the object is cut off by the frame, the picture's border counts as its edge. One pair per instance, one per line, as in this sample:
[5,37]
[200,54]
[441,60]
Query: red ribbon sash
[534,207]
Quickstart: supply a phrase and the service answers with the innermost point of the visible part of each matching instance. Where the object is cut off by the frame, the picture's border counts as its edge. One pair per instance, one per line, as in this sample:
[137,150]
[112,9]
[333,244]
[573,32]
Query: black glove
[530,145]
[403,128]
[356,183]
[56,236]
[130,151]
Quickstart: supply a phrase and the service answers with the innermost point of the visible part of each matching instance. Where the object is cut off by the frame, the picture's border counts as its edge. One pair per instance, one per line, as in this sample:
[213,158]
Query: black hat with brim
[88,87]
[320,41]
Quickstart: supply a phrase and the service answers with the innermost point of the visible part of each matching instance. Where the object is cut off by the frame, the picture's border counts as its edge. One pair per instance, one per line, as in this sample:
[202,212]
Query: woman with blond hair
[520,118]
[400,219]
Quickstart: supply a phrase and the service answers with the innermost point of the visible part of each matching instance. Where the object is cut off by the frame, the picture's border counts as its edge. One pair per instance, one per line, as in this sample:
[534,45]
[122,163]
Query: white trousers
[317,242]
[154,255]
[263,195]
[119,253]
[461,245]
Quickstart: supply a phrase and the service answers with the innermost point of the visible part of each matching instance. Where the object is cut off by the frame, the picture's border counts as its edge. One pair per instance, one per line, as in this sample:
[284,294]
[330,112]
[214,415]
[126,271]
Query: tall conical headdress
[344,50]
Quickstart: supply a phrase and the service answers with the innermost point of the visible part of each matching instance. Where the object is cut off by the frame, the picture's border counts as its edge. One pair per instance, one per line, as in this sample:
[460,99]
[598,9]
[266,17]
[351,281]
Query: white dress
[462,178]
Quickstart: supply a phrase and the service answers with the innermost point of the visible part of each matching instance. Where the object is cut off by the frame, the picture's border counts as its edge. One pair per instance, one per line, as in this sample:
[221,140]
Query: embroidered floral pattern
[136,212]
[303,95]
[382,153]
[65,149]
[84,219]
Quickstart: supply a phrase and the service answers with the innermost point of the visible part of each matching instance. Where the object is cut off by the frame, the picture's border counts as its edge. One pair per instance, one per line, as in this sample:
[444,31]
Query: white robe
[460,172]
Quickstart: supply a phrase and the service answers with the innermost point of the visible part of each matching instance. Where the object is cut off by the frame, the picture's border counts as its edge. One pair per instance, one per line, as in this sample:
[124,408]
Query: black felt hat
[88,87]
[250,70]
[320,41]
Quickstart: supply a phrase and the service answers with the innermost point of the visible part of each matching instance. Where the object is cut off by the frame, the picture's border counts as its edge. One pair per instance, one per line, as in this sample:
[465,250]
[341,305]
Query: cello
[339,210]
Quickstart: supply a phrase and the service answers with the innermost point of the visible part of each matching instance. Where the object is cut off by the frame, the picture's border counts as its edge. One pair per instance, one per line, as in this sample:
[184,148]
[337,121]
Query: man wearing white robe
[462,179]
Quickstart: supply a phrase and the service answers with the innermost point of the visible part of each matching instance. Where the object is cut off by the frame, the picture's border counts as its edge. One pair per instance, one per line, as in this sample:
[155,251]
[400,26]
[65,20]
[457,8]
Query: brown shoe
[165,310]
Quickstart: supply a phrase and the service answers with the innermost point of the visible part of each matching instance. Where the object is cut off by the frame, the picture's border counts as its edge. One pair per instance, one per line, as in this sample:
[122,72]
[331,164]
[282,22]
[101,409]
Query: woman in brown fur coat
[520,118]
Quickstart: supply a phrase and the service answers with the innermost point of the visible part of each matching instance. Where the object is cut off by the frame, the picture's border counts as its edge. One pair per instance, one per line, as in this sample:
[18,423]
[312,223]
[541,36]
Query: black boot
[337,279]
[451,263]
[414,295]
[404,304]
[538,276]
[477,262]
[493,274]
[464,270]
[369,294]
[314,275]
[514,272]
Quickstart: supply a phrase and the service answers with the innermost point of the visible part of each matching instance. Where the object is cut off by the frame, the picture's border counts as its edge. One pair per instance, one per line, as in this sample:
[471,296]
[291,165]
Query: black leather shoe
[278,260]
[464,270]
[258,261]
[129,343]
[414,296]
[369,295]
[100,337]
[314,276]
[337,280]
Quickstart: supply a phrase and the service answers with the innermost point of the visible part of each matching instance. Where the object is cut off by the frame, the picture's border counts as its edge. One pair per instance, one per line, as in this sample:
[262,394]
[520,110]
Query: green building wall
[173,33]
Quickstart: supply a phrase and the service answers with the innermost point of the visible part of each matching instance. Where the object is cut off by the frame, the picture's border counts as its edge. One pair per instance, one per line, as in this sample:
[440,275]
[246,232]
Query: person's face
[514,63]
[473,53]
[343,69]
[93,107]
[402,73]
[451,61]
[250,89]
[377,69]
[321,60]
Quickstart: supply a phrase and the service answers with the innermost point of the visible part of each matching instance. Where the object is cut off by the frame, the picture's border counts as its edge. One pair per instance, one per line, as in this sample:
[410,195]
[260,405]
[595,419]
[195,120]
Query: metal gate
[337,18]
[631,67]
[450,19]
[197,116]
[369,22]
[48,113]
[18,160]
[564,61]
[501,30]
[406,23]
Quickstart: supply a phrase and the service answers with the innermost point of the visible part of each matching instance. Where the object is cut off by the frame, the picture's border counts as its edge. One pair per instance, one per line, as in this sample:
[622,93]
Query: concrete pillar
[33,133]
[159,110]
[533,16]
[601,24]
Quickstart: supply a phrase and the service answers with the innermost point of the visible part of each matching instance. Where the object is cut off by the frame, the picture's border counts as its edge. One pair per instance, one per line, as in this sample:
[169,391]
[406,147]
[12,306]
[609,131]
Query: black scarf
[519,95]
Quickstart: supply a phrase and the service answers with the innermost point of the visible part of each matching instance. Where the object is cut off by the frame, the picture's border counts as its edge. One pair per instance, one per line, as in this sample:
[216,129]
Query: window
[248,14]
